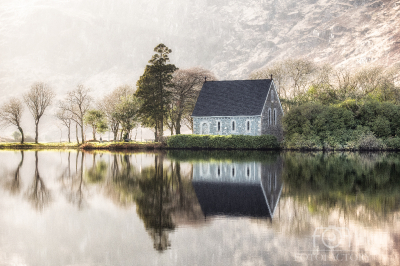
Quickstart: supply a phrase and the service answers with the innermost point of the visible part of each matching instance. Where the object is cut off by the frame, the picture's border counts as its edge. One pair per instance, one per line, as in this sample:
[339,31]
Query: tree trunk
[94,133]
[76,133]
[69,133]
[22,134]
[156,133]
[161,131]
[83,136]
[115,132]
[36,131]
[178,124]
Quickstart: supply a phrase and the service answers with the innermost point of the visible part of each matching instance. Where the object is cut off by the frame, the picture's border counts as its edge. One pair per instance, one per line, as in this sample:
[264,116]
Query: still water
[199,208]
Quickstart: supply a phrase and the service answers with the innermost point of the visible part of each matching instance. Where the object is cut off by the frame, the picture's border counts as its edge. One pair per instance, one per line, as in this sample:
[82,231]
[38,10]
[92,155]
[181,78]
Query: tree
[77,103]
[279,74]
[293,77]
[16,135]
[109,105]
[185,88]
[11,113]
[126,113]
[66,119]
[95,119]
[38,98]
[152,90]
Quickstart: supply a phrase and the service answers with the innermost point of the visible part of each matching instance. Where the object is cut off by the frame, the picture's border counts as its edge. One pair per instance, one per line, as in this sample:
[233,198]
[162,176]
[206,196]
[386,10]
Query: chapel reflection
[250,189]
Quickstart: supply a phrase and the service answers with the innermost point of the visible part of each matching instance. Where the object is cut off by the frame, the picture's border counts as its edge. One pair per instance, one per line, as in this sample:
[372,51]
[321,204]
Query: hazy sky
[102,44]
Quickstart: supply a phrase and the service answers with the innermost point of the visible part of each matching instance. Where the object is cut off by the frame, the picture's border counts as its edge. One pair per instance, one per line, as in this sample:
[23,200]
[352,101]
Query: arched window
[233,125]
[204,128]
[269,116]
[269,182]
[274,181]
[218,126]
[248,125]
[274,116]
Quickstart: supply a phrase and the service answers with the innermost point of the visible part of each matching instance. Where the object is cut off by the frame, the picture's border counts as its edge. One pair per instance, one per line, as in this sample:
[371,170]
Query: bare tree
[369,78]
[279,74]
[38,98]
[11,113]
[188,121]
[300,73]
[186,85]
[66,119]
[77,103]
[344,82]
[292,76]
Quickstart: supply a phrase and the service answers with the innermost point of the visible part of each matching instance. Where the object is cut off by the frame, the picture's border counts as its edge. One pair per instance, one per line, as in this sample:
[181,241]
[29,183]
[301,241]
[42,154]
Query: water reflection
[346,181]
[183,201]
[14,185]
[38,194]
[72,182]
[238,188]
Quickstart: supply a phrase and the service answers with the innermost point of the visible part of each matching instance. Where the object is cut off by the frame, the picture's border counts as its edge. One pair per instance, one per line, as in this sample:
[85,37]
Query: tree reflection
[38,194]
[154,205]
[14,185]
[346,181]
[73,183]
[162,195]
[123,184]
[97,172]
[165,200]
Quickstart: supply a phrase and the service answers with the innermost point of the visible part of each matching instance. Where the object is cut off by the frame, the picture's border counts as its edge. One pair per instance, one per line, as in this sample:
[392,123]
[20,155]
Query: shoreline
[161,146]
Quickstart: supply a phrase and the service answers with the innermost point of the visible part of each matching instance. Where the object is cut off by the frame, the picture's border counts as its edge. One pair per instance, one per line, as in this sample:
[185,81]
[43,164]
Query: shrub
[222,142]
[368,141]
[393,143]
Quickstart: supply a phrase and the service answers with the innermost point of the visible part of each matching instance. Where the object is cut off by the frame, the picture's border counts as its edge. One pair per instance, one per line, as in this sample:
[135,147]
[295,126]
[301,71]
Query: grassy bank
[218,142]
[123,146]
[31,145]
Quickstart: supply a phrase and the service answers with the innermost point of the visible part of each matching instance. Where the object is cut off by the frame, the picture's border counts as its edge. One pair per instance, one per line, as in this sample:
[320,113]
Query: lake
[199,208]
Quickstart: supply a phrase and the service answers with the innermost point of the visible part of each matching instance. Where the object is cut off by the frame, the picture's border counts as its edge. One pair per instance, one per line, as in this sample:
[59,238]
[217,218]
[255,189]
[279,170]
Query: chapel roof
[232,98]
[232,199]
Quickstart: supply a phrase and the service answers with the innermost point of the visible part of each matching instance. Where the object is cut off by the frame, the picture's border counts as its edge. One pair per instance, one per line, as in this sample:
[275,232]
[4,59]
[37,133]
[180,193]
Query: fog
[104,44]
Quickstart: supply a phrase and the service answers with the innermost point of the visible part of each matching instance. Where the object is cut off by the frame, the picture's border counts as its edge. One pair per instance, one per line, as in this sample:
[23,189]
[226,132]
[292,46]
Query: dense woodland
[163,99]
[333,108]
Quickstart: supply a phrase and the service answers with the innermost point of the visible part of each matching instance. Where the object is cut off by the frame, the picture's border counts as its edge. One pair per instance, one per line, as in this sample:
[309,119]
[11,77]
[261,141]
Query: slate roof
[232,98]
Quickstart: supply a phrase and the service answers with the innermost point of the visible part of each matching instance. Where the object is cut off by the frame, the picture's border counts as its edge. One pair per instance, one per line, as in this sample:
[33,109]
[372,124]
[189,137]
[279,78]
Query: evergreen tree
[152,90]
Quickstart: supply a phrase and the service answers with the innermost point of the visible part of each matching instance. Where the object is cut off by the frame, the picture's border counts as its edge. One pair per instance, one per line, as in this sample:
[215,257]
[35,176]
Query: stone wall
[209,125]
[269,126]
[249,172]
